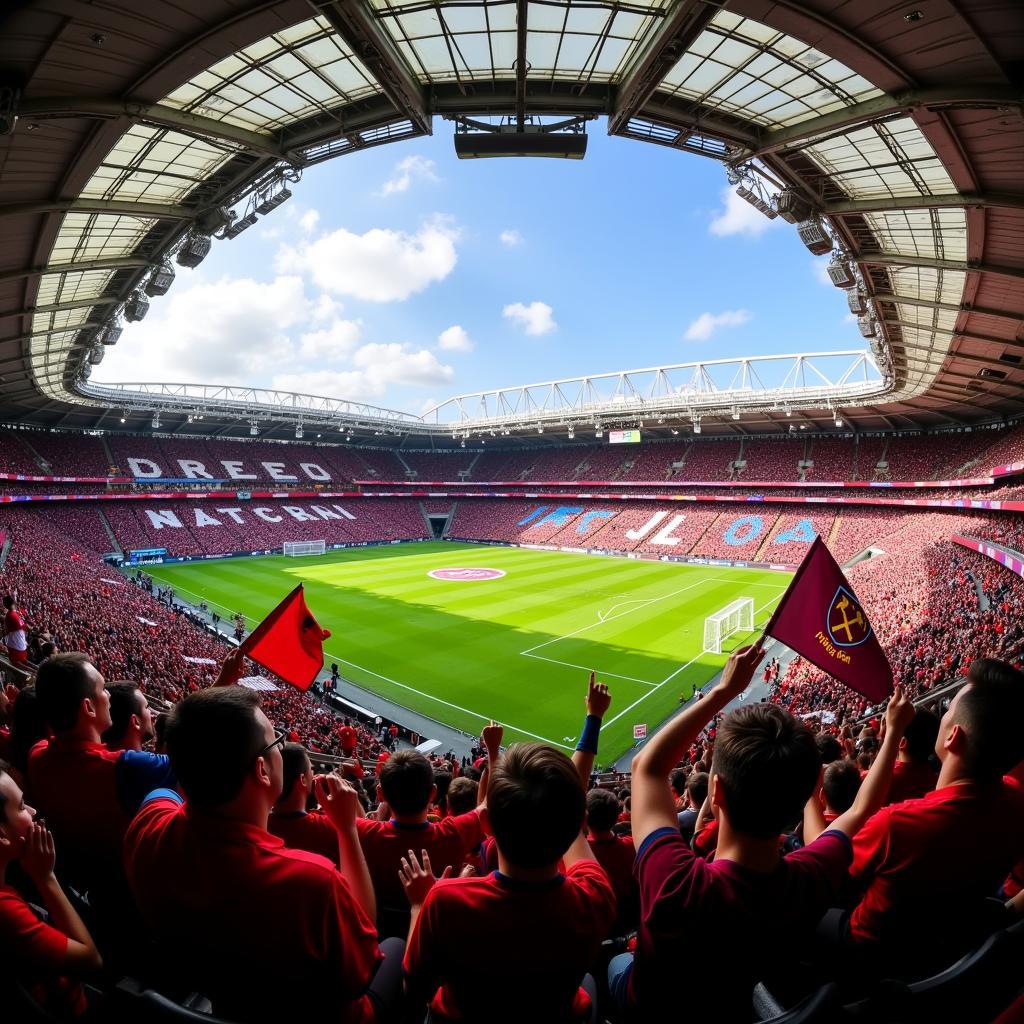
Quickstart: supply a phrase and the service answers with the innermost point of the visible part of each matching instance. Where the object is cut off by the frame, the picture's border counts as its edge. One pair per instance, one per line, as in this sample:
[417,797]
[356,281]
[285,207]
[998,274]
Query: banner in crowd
[821,619]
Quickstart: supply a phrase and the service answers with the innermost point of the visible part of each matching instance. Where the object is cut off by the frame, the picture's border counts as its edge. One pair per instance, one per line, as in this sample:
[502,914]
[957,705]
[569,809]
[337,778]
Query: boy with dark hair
[925,865]
[696,794]
[615,854]
[223,896]
[840,783]
[407,786]
[86,792]
[535,802]
[131,721]
[914,774]
[750,900]
[290,818]
[462,796]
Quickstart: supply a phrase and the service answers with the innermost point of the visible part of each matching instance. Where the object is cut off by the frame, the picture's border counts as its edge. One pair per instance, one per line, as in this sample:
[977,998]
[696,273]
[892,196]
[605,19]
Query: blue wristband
[591,731]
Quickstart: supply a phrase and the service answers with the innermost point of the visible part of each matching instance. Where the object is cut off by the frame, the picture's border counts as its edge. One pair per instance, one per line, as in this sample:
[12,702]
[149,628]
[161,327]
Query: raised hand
[418,879]
[38,856]
[740,668]
[339,801]
[231,668]
[598,698]
[491,737]
[899,713]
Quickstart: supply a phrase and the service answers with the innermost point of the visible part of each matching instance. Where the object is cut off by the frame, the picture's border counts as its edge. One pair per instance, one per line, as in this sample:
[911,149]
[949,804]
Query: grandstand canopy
[126,128]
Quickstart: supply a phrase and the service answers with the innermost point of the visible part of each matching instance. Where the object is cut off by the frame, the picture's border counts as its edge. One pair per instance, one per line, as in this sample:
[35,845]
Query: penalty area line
[583,668]
[447,704]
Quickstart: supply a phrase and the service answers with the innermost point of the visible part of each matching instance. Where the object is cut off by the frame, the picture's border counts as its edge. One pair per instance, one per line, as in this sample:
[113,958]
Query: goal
[737,617]
[304,547]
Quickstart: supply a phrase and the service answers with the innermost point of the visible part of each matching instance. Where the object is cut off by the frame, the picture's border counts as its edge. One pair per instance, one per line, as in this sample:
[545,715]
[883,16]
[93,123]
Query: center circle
[466,574]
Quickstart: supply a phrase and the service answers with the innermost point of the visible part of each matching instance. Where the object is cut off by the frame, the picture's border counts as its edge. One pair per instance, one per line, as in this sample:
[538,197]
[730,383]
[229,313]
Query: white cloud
[229,331]
[820,268]
[379,266]
[535,319]
[708,324]
[333,343]
[325,308]
[454,339]
[412,168]
[738,217]
[377,367]
[309,220]
[511,237]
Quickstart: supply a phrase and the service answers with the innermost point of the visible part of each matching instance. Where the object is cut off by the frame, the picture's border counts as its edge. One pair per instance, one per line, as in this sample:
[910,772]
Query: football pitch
[514,647]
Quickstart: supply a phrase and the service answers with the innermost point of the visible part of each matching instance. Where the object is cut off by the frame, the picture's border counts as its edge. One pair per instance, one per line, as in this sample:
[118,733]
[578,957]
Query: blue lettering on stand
[592,516]
[533,515]
[744,530]
[802,533]
[559,517]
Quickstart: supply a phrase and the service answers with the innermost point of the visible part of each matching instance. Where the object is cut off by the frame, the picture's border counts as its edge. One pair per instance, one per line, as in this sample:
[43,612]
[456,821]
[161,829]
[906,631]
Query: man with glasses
[263,930]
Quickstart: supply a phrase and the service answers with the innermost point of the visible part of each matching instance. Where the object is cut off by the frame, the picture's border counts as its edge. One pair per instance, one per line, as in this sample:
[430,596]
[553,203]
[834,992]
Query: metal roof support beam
[154,113]
[148,211]
[684,22]
[522,65]
[72,329]
[1006,201]
[116,263]
[352,20]
[886,106]
[890,259]
[61,307]
[950,307]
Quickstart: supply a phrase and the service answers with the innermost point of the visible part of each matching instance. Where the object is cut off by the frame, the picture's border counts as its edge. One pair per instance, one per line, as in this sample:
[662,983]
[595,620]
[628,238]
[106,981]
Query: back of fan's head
[213,738]
[767,764]
[603,809]
[407,782]
[62,683]
[294,762]
[989,709]
[535,803]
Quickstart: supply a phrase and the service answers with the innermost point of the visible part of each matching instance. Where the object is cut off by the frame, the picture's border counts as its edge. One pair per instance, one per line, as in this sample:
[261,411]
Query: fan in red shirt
[925,865]
[46,956]
[265,931]
[750,900]
[347,736]
[616,855]
[913,775]
[290,819]
[407,786]
[15,634]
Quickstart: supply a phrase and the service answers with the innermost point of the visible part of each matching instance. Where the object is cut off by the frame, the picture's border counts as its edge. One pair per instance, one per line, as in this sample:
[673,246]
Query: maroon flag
[821,619]
[289,642]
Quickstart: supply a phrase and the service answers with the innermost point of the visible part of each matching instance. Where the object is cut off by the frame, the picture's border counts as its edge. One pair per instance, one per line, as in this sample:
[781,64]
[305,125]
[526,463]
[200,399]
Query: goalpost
[737,617]
[303,547]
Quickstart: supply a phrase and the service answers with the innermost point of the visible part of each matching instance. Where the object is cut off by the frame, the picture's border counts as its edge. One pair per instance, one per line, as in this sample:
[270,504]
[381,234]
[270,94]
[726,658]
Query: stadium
[566,665]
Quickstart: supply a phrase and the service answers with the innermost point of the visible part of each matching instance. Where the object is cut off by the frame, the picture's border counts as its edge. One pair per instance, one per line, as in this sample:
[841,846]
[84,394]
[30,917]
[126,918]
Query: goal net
[737,617]
[304,547]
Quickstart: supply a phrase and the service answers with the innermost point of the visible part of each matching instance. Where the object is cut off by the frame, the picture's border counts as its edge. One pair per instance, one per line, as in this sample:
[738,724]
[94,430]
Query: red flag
[821,619]
[289,642]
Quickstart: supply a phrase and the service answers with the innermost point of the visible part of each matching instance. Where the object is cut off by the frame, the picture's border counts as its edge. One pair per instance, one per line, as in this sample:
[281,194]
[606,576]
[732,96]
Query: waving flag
[289,642]
[821,619]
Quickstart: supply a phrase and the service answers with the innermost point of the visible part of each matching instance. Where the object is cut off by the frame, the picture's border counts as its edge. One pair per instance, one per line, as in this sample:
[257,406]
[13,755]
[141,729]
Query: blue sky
[401,276]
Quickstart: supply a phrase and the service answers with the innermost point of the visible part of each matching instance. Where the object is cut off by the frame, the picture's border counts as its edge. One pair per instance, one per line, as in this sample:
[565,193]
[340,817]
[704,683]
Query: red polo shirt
[310,831]
[267,932]
[921,861]
[541,938]
[616,856]
[347,736]
[385,843]
[754,920]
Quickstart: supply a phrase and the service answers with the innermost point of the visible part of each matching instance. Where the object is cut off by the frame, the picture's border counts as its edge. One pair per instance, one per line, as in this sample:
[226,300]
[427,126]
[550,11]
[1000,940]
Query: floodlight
[572,433]
[735,413]
[540,430]
[193,251]
[857,301]
[253,430]
[792,207]
[839,420]
[298,431]
[240,225]
[462,444]
[96,355]
[675,433]
[160,281]
[156,421]
[348,437]
[272,202]
[696,426]
[212,220]
[599,432]
[122,419]
[110,334]
[840,272]
[789,412]
[813,234]
[136,308]
[866,326]
[753,194]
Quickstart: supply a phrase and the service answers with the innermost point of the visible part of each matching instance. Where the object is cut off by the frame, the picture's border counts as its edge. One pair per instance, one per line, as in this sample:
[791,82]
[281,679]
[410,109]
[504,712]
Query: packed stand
[772,460]
[707,461]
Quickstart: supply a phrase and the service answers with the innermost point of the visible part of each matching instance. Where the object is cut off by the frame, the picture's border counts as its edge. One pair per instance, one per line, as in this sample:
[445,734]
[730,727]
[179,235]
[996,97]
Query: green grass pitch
[517,648]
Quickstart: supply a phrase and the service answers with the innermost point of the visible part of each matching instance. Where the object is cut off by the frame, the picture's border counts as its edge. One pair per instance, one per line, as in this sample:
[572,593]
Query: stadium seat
[819,1007]
[145,1006]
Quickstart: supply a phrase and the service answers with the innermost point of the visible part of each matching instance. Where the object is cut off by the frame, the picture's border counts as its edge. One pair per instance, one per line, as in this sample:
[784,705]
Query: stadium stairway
[411,473]
[40,461]
[115,547]
[834,532]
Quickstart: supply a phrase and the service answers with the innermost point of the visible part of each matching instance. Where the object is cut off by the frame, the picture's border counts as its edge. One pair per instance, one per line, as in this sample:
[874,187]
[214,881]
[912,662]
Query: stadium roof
[124,130]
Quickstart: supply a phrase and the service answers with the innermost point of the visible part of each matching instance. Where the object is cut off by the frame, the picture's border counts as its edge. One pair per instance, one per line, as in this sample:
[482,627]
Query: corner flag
[289,642]
[821,619]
